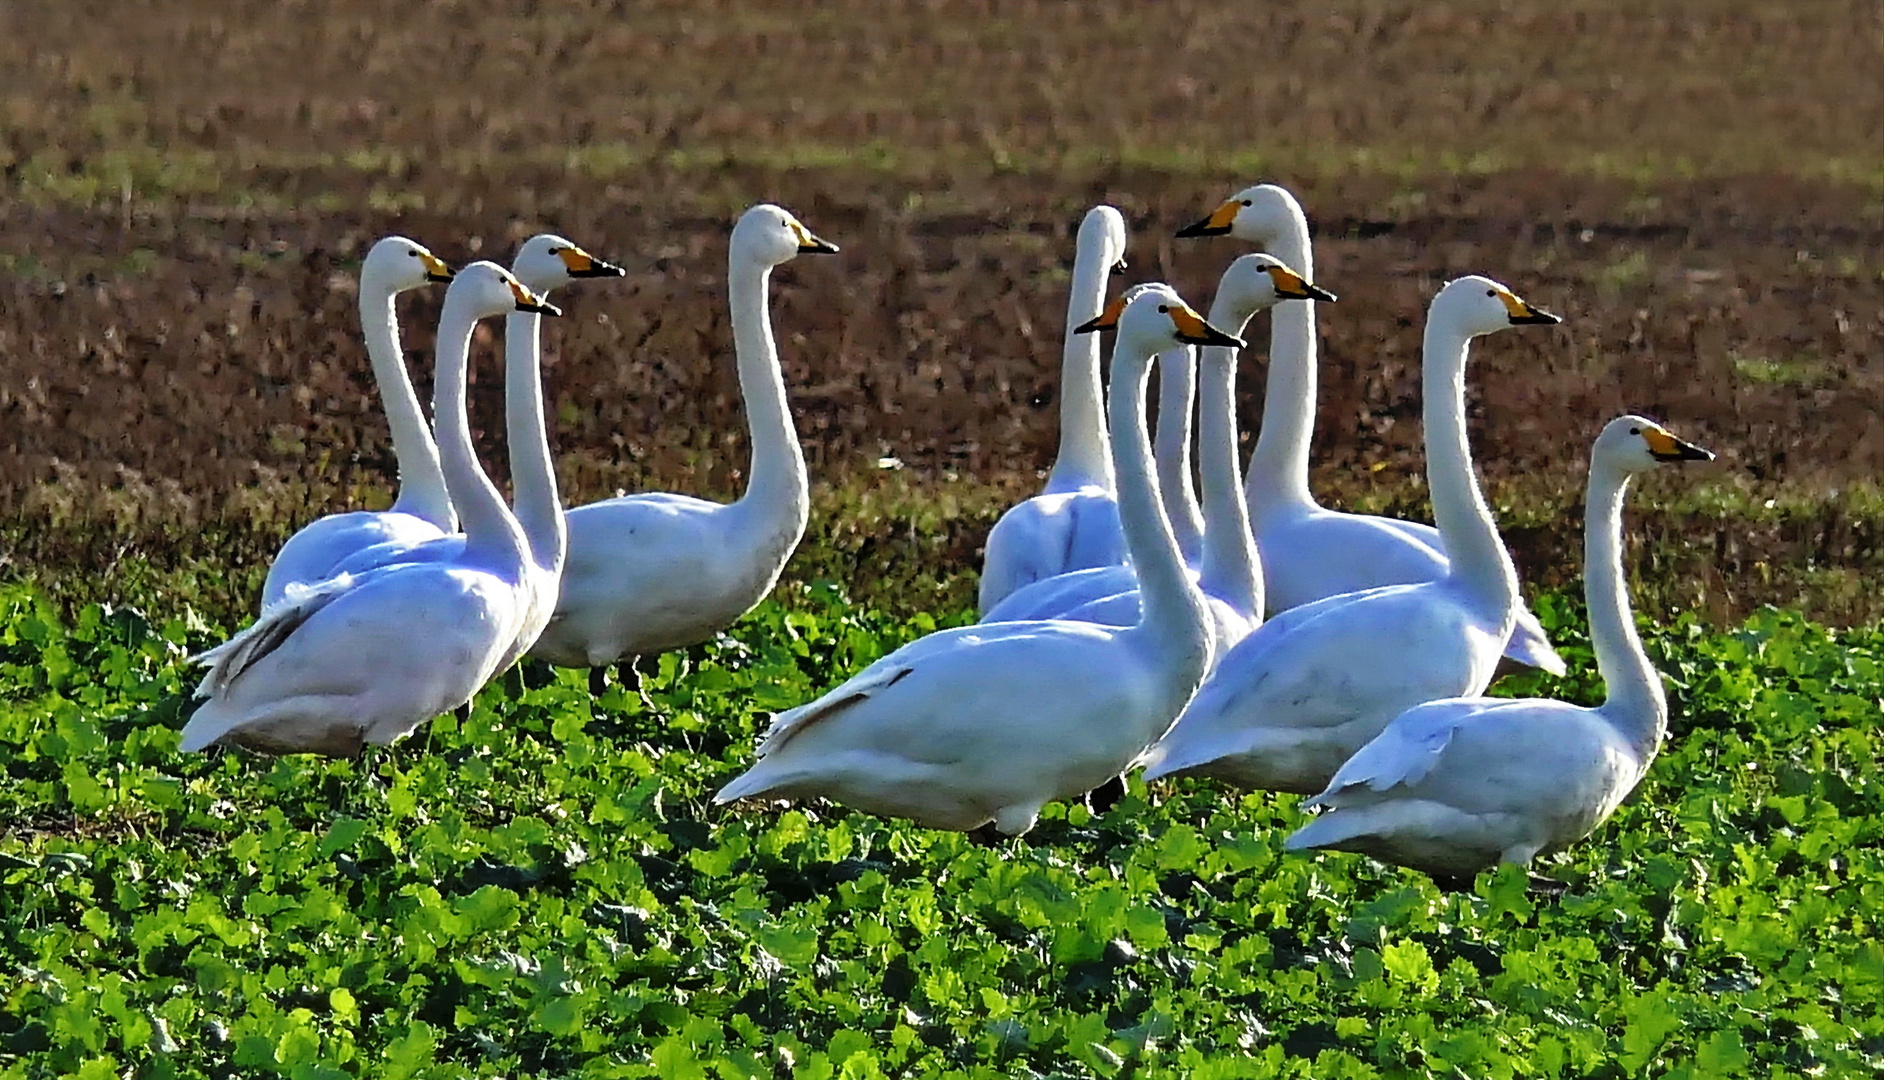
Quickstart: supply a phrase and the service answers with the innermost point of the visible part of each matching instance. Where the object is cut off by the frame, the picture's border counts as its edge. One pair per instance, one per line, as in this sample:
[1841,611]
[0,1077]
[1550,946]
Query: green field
[541,890]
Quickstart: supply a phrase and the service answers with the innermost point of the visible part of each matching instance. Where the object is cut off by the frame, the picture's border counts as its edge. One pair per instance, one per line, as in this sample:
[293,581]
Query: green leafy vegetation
[540,889]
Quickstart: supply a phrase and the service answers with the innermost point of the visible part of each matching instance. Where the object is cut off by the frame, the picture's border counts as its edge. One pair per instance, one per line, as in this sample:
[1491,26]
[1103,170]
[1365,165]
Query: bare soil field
[1698,188]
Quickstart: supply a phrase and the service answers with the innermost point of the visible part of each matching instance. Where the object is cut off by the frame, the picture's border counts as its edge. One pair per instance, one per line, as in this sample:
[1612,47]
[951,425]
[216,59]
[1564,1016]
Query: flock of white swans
[1229,629]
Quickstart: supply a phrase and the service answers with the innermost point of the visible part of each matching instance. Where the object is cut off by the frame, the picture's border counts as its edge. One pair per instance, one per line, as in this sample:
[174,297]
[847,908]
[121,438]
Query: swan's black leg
[1106,795]
[629,672]
[462,712]
[986,835]
[1448,883]
[598,681]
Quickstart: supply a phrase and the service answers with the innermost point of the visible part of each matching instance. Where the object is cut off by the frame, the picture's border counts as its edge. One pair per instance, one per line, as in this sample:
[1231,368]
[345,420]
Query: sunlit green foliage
[541,890]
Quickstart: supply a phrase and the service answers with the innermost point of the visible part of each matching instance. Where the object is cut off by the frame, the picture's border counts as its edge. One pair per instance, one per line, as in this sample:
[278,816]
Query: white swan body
[1297,697]
[360,659]
[1074,522]
[1455,786]
[1310,552]
[1228,570]
[545,262]
[422,510]
[988,723]
[656,571]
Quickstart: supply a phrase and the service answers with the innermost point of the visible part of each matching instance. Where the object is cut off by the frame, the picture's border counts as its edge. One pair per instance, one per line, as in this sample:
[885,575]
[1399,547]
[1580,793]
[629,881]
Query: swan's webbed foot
[1105,796]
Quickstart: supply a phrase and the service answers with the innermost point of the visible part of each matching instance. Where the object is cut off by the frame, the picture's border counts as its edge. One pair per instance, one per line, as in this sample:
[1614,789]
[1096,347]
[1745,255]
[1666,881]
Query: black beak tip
[1691,452]
[440,279]
[1201,228]
[1538,317]
[544,308]
[601,269]
[1316,292]
[1090,326]
[819,247]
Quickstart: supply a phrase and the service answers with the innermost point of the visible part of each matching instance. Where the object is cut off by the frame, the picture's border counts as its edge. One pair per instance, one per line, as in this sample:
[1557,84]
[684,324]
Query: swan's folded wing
[1406,751]
[785,725]
[299,603]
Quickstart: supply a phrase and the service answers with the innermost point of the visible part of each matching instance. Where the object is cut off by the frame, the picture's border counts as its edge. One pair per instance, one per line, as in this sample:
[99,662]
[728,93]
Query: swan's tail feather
[1325,831]
[793,722]
[1529,644]
[229,660]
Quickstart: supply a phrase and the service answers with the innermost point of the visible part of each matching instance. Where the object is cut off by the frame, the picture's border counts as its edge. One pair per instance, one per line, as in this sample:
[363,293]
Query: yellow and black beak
[811,245]
[1217,224]
[1523,314]
[1105,320]
[1291,286]
[1193,330]
[1665,447]
[581,264]
[436,269]
[531,302]
[1119,267]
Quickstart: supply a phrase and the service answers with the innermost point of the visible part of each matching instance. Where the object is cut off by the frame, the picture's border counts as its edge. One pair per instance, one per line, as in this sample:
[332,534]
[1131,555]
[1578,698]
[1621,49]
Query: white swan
[1228,570]
[1309,552]
[1297,697]
[422,510]
[1171,450]
[988,723]
[360,659]
[1074,522]
[1453,787]
[545,262]
[656,571]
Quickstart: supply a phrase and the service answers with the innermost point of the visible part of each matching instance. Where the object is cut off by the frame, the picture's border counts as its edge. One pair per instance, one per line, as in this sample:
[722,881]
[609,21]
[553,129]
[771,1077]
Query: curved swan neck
[1177,395]
[422,490]
[1083,458]
[1478,557]
[1635,701]
[532,473]
[491,533]
[1278,466]
[778,486]
[1232,567]
[1172,609]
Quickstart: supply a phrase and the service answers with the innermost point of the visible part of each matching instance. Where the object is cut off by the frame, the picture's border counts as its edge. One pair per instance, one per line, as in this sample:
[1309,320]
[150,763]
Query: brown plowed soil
[1697,188]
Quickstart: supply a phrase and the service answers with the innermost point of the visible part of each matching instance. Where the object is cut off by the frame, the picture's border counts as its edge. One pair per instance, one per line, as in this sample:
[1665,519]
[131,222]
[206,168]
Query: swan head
[548,261]
[1103,230]
[1637,444]
[1258,282]
[1478,305]
[770,235]
[489,289]
[1152,318]
[396,264]
[1265,214]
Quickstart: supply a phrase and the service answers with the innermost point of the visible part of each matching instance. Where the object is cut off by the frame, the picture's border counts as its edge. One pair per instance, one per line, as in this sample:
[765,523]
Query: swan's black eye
[1164,309]
[1635,431]
[1247,202]
[1491,292]
[414,254]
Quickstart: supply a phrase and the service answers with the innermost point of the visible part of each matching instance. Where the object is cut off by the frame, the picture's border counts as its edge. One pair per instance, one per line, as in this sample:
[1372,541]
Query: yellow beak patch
[576,260]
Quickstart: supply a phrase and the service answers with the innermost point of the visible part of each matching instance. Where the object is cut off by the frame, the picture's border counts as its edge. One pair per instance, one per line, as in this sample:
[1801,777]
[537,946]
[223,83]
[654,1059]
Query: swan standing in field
[545,262]
[988,723]
[1074,522]
[422,510]
[364,659]
[1310,553]
[655,571]
[1228,569]
[1456,786]
[1301,694]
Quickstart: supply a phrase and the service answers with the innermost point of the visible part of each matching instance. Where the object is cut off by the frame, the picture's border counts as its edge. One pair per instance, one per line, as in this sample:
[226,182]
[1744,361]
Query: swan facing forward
[1074,523]
[422,510]
[1310,552]
[360,659]
[656,571]
[988,723]
[1308,688]
[1454,787]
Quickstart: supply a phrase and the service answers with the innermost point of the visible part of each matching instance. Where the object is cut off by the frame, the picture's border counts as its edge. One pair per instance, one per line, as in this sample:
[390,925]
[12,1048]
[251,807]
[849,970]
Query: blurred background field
[188,187]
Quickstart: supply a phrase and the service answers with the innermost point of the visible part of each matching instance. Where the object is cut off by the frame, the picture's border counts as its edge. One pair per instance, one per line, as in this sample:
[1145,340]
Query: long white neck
[1635,704]
[1083,457]
[1479,559]
[1177,394]
[778,490]
[1232,568]
[421,480]
[1172,610]
[1278,467]
[532,473]
[492,537]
